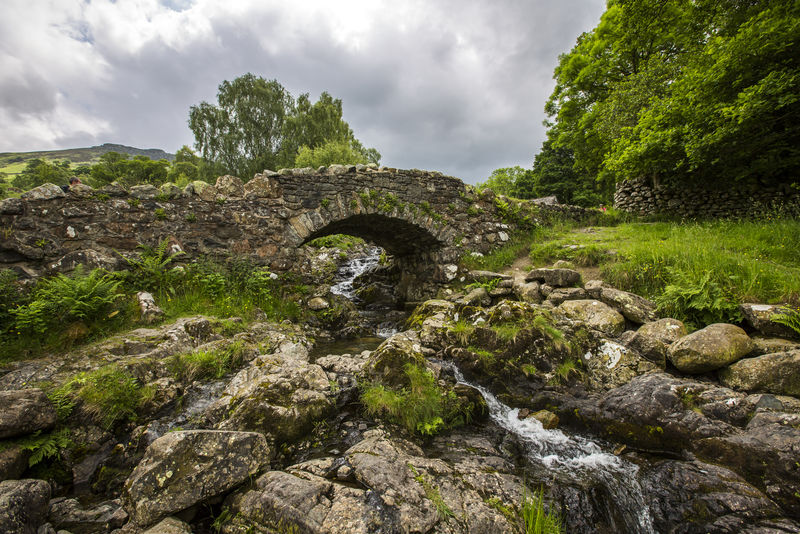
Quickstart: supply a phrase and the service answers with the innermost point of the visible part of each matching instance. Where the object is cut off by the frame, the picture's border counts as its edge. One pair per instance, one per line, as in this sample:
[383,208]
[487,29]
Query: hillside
[12,163]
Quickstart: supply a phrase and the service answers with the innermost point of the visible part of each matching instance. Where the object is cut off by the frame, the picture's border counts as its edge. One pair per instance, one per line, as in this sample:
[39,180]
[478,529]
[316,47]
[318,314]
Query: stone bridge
[427,221]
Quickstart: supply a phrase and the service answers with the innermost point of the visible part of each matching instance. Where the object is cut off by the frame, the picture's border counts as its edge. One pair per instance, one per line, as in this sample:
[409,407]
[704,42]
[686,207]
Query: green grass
[207,364]
[535,519]
[697,272]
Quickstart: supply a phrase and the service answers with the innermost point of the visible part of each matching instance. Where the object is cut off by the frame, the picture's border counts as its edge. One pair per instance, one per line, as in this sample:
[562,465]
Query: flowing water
[573,458]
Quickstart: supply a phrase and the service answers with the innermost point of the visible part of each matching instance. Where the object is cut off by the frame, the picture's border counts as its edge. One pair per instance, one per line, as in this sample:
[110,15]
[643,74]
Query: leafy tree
[554,174]
[510,181]
[331,152]
[38,172]
[258,125]
[114,166]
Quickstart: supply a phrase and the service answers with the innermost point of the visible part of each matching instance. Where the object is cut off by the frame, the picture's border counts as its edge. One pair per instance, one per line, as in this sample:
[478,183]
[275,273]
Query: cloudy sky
[451,85]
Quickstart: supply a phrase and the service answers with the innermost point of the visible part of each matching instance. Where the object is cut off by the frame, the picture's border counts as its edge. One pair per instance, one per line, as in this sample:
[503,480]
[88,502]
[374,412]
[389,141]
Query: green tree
[116,167]
[510,181]
[554,174]
[329,153]
[257,125]
[38,172]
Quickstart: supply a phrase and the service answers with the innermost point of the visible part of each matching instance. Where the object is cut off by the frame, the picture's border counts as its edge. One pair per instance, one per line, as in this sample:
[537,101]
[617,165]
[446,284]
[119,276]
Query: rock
[554,277]
[613,365]
[25,411]
[636,309]
[68,514]
[476,297]
[759,316]
[548,419]
[559,295]
[81,190]
[594,314]
[777,373]
[714,346]
[204,190]
[652,340]
[13,461]
[170,525]
[484,276]
[230,186]
[186,467]
[23,505]
[43,192]
[317,304]
[150,312]
[563,264]
[594,288]
[11,206]
[528,292]
[386,363]
[769,345]
[280,395]
[698,497]
[144,192]
[262,186]
[170,190]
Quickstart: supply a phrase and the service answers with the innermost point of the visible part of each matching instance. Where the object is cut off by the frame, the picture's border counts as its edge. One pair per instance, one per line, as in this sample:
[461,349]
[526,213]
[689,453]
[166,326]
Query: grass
[698,272]
[207,364]
[535,519]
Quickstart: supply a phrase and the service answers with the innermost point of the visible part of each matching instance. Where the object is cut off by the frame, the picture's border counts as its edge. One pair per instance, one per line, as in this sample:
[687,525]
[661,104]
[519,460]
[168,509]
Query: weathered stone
[769,345]
[186,467]
[170,525]
[476,297]
[317,304]
[13,461]
[528,292]
[43,192]
[561,294]
[714,346]
[386,364]
[633,307]
[777,373]
[144,192]
[548,419]
[613,365]
[25,411]
[149,310]
[262,186]
[594,288]
[653,339]
[204,190]
[484,276]
[759,316]
[69,514]
[230,186]
[554,277]
[594,314]
[11,206]
[23,505]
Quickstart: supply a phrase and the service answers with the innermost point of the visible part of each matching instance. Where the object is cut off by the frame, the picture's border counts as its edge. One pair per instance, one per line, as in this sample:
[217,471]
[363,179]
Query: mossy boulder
[387,363]
[711,348]
[653,339]
[594,314]
[777,373]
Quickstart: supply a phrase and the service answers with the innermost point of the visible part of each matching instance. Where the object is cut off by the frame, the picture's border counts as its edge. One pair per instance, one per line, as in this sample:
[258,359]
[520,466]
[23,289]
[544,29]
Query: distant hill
[13,162]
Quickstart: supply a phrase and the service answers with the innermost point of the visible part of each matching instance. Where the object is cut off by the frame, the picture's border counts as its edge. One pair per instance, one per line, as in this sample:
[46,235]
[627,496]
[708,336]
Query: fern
[45,445]
[151,271]
[789,317]
[699,302]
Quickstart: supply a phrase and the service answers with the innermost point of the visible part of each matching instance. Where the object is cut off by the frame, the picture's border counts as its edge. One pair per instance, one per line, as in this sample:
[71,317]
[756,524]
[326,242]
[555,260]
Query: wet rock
[548,419]
[612,365]
[25,411]
[759,316]
[777,373]
[698,497]
[23,505]
[636,309]
[714,346]
[554,277]
[594,314]
[183,468]
[653,339]
[148,308]
[13,461]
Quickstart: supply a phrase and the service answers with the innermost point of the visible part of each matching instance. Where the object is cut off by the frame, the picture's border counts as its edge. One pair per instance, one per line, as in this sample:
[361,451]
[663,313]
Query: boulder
[769,345]
[554,277]
[13,461]
[636,309]
[759,316]
[144,192]
[170,190]
[483,276]
[594,288]
[169,525]
[204,190]
[44,192]
[317,304]
[594,314]
[230,186]
[711,348]
[69,514]
[148,308]
[777,373]
[612,365]
[476,297]
[548,419]
[652,340]
[559,295]
[23,505]
[528,292]
[187,467]
[25,411]
[262,186]
[386,363]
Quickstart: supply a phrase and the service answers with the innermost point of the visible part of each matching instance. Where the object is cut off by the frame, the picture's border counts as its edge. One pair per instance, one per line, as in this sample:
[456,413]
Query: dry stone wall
[641,196]
[425,219]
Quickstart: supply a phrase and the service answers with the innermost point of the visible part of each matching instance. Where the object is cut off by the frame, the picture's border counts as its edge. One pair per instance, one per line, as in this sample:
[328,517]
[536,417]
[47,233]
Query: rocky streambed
[626,422]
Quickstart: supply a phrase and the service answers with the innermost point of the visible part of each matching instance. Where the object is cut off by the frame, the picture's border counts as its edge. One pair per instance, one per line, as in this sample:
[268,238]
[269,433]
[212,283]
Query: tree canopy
[258,125]
[690,90]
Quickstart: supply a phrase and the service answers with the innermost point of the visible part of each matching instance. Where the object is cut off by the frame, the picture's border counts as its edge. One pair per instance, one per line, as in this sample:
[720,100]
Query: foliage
[332,152]
[114,166]
[697,301]
[689,91]
[788,316]
[152,271]
[110,394]
[205,364]
[535,520]
[510,181]
[38,172]
[62,300]
[422,407]
[341,241]
[43,446]
[258,125]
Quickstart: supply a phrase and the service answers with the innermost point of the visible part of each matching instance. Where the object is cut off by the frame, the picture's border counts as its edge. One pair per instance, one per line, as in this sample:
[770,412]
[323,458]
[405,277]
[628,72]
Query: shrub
[152,271]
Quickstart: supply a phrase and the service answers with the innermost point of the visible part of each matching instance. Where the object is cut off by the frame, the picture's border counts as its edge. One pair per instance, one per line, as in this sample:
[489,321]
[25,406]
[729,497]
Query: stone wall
[425,219]
[641,196]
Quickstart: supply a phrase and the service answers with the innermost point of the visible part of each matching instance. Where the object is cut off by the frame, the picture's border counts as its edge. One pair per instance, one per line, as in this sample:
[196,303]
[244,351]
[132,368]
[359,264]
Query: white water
[574,457]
